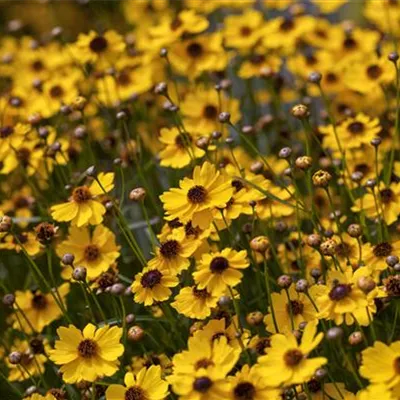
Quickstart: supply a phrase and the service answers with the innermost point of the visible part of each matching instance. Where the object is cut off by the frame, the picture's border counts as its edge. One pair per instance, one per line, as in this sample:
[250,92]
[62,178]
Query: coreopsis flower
[257,62]
[12,136]
[376,254]
[40,309]
[174,251]
[180,148]
[321,390]
[377,392]
[197,198]
[149,359]
[243,31]
[194,56]
[30,364]
[153,285]
[340,297]
[202,376]
[381,364]
[27,240]
[195,303]
[249,383]
[101,48]
[216,271]
[84,207]
[269,207]
[87,355]
[290,308]
[202,107]
[20,205]
[145,385]
[287,361]
[353,131]
[95,251]
[384,202]
[216,328]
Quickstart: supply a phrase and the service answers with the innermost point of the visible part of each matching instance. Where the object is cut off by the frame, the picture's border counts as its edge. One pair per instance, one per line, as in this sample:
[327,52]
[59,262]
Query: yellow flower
[152,285]
[40,309]
[83,206]
[243,31]
[250,384]
[145,385]
[96,252]
[377,392]
[195,303]
[199,373]
[27,240]
[375,254]
[87,355]
[287,363]
[290,306]
[381,364]
[198,197]
[180,148]
[93,47]
[194,56]
[216,271]
[329,6]
[30,364]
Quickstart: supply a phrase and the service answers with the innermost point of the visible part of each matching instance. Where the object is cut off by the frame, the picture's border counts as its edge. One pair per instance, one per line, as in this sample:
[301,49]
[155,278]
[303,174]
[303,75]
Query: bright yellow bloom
[96,252]
[216,271]
[87,355]
[286,361]
[145,385]
[198,197]
[84,206]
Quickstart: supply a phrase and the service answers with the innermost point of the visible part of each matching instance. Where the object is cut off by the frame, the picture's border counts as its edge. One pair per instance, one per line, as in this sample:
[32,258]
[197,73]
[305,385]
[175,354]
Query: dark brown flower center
[244,391]
[202,384]
[175,24]
[98,44]
[203,363]
[237,184]
[175,223]
[387,195]
[56,91]
[23,155]
[106,280]
[22,202]
[293,357]
[257,59]
[91,252]
[396,365]
[286,25]
[210,112]
[45,232]
[245,31]
[123,79]
[218,265]
[356,128]
[194,50]
[37,65]
[182,140]
[295,307]
[339,292]
[343,250]
[135,393]
[200,293]
[190,230]
[374,71]
[263,344]
[87,348]
[383,249]
[331,77]
[197,194]
[314,386]
[39,302]
[349,43]
[392,285]
[170,248]
[81,194]
[151,278]
[6,131]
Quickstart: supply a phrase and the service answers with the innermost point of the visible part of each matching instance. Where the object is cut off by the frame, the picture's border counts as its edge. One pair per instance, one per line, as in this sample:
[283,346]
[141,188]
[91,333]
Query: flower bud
[68,259]
[366,284]
[79,103]
[5,224]
[334,333]
[328,247]
[284,281]
[15,357]
[202,142]
[315,77]
[300,111]
[135,333]
[301,286]
[79,274]
[259,244]
[117,289]
[355,338]
[256,167]
[137,194]
[321,178]
[254,318]
[224,301]
[392,260]
[8,300]
[314,240]
[130,319]
[224,117]
[285,152]
[354,230]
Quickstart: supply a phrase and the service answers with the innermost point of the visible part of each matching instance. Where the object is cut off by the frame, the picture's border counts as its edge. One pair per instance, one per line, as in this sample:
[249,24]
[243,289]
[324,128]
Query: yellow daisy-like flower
[27,240]
[83,206]
[87,355]
[93,47]
[145,385]
[216,271]
[196,198]
[381,364]
[39,308]
[377,392]
[384,202]
[375,255]
[287,363]
[341,298]
[96,252]
[288,307]
[195,303]
[250,384]
[153,285]
[179,148]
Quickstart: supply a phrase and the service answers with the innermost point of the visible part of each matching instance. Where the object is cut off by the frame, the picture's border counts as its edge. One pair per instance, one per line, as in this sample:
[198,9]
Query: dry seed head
[300,111]
[259,244]
[137,194]
[328,247]
[355,338]
[366,284]
[321,178]
[5,223]
[303,162]
[254,318]
[314,240]
[135,333]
